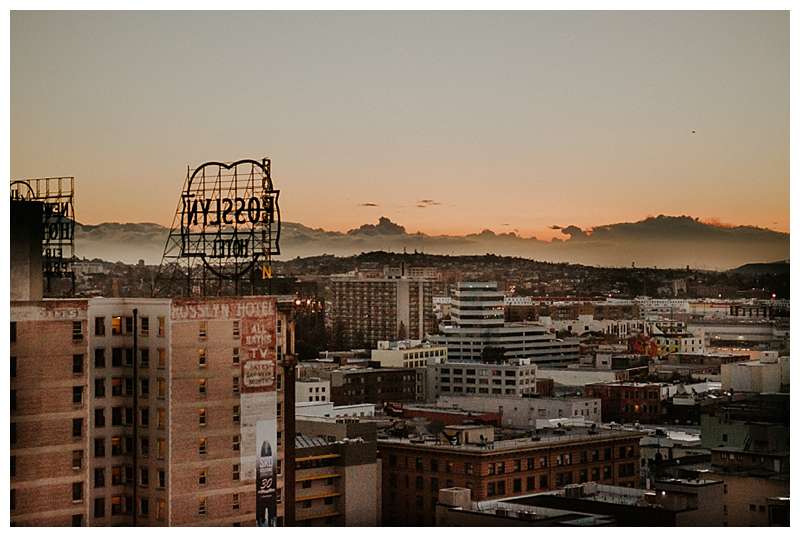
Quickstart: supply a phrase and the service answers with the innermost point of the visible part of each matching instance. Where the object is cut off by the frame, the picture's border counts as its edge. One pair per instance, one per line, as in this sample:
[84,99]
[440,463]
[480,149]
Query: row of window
[124,326]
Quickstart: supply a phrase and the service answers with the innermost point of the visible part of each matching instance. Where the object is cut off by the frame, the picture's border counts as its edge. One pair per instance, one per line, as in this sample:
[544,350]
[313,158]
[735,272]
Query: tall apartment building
[414,470]
[370,306]
[477,325]
[145,412]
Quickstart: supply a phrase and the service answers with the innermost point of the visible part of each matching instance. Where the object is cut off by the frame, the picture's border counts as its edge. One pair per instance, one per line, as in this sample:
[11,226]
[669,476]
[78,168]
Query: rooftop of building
[541,438]
[407,344]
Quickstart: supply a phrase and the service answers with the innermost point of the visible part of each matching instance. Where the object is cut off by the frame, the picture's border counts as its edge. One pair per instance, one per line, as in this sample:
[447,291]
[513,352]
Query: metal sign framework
[224,233]
[57,194]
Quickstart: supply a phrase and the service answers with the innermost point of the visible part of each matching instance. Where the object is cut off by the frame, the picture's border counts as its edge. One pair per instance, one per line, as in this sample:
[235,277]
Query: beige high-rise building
[146,412]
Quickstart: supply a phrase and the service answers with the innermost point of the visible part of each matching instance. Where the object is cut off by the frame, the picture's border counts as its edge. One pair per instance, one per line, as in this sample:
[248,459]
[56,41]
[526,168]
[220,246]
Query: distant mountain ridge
[663,241]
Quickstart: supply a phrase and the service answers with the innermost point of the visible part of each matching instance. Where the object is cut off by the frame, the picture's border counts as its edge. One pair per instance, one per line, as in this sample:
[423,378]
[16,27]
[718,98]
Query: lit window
[116,325]
[201,416]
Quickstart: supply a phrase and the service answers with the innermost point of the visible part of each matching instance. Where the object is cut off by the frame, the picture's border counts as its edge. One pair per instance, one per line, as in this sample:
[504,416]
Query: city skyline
[449,123]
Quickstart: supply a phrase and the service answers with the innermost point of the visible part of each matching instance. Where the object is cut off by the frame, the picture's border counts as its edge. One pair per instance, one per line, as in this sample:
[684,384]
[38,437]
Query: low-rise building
[628,402]
[513,377]
[523,412]
[337,473]
[415,468]
[312,390]
[767,375]
[352,386]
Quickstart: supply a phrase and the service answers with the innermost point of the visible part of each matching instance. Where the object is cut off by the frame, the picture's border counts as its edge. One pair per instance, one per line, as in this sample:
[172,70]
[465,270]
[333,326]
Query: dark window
[77,427]
[99,326]
[543,482]
[77,394]
[531,482]
[420,482]
[77,521]
[13,400]
[77,492]
[518,485]
[128,325]
[99,358]
[99,387]
[99,417]
[99,507]
[13,366]
[99,447]
[116,357]
[434,465]
[99,478]
[77,364]
[77,331]
[13,331]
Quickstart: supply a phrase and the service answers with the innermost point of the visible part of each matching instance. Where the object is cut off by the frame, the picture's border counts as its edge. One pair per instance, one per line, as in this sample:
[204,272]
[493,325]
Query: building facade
[414,471]
[143,409]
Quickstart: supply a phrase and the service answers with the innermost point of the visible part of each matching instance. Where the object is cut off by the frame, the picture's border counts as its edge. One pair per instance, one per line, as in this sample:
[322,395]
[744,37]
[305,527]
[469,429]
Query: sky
[446,122]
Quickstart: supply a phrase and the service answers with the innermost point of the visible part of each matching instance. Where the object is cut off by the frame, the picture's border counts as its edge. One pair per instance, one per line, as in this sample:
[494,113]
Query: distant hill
[778,268]
[662,241]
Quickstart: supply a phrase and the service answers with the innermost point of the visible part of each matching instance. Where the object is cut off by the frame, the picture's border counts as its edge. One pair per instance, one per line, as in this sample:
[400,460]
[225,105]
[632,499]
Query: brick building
[629,402]
[133,411]
[415,469]
[368,385]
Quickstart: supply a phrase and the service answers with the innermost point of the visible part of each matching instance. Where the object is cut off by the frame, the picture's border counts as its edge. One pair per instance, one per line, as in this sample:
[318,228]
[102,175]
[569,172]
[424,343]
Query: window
[201,358]
[144,476]
[77,459]
[100,326]
[13,366]
[99,507]
[77,492]
[128,357]
[77,521]
[518,485]
[116,325]
[77,364]
[77,427]
[144,417]
[236,414]
[162,479]
[161,324]
[99,388]
[13,466]
[129,325]
[77,395]
[116,446]
[13,331]
[161,509]
[13,400]
[420,482]
[162,358]
[236,356]
[116,416]
[144,446]
[117,507]
[235,501]
[202,446]
[202,478]
[530,482]
[144,506]
[236,442]
[144,387]
[203,329]
[77,331]
[99,358]
[236,388]
[160,445]
[201,386]
[145,326]
[116,357]
[162,388]
[235,472]
[144,358]
[99,447]
[201,416]
[543,481]
[235,328]
[161,416]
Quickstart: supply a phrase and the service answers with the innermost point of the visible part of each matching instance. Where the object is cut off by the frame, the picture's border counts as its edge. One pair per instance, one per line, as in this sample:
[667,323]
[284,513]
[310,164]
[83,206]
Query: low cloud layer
[663,241]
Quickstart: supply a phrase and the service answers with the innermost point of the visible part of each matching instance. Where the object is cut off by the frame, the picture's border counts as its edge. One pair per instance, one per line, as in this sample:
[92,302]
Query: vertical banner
[259,402]
[266,501]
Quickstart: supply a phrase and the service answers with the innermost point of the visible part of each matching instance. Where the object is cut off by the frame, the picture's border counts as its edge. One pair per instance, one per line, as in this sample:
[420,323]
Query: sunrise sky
[444,122]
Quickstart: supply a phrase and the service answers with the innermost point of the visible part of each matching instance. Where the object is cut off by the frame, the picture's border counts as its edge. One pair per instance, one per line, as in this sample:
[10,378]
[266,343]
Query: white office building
[477,322]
